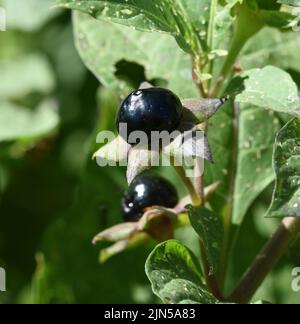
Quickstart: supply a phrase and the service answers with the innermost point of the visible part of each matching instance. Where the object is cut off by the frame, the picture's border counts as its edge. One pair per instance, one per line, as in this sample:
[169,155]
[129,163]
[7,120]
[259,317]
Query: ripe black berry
[147,191]
[148,110]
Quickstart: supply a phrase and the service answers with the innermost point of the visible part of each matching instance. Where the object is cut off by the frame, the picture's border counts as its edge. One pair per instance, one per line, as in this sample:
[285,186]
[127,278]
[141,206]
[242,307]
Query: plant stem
[266,260]
[196,199]
[211,279]
[195,73]
[210,35]
[211,26]
[199,180]
[247,24]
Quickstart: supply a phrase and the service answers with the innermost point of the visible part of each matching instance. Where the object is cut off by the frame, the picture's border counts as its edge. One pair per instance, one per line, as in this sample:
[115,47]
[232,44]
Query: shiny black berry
[147,191]
[148,110]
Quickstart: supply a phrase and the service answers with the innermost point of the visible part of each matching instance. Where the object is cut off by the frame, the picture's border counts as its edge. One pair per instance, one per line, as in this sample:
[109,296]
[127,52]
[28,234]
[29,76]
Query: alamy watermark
[155,149]
[296,280]
[2,280]
[2,19]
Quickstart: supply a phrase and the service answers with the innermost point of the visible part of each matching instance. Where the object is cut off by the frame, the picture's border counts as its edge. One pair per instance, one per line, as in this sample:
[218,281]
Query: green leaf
[286,198]
[183,19]
[222,30]
[276,19]
[175,275]
[272,47]
[238,159]
[294,3]
[20,123]
[266,13]
[271,88]
[25,75]
[101,54]
[254,171]
[220,137]
[210,229]
[28,15]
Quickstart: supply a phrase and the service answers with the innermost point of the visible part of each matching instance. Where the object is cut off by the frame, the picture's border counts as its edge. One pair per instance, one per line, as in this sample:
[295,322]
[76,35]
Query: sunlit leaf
[286,199]
[180,284]
[271,88]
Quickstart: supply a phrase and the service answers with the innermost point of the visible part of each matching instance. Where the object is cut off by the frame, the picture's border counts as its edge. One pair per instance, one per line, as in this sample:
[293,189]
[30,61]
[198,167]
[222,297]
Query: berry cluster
[149,110]
[151,203]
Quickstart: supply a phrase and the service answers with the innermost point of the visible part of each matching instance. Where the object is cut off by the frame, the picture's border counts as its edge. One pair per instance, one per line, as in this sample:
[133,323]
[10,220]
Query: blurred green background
[53,198]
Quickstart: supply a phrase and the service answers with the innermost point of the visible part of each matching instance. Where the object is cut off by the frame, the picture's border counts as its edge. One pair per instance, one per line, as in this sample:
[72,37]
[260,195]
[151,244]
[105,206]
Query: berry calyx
[148,110]
[147,191]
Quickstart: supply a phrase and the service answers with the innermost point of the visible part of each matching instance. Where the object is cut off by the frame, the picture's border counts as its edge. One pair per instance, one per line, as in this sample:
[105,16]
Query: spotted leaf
[286,199]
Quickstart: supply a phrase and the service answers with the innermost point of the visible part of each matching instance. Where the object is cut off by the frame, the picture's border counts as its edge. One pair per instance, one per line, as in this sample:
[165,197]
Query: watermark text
[296,280]
[154,150]
[2,280]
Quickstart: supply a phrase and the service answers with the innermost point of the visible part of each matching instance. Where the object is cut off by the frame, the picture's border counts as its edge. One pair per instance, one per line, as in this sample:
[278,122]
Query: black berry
[147,191]
[148,110]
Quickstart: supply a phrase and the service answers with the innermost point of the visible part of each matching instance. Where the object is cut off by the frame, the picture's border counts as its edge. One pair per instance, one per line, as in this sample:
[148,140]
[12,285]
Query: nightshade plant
[214,58]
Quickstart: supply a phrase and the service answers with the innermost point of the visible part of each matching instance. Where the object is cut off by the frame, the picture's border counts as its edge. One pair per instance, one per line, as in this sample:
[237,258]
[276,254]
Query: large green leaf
[184,19]
[25,75]
[220,136]
[271,47]
[276,19]
[28,15]
[271,88]
[266,11]
[254,165]
[286,200]
[210,229]
[238,159]
[19,123]
[254,148]
[175,275]
[101,54]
